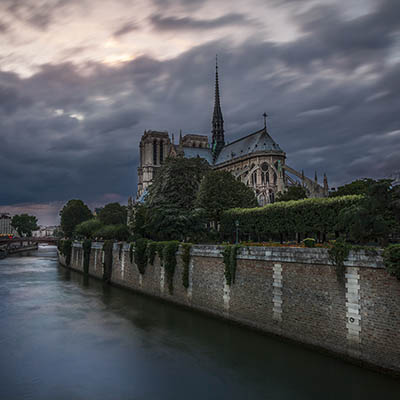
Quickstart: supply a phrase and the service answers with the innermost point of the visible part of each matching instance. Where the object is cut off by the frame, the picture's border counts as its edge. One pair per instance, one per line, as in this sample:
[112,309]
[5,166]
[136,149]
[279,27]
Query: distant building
[45,231]
[255,159]
[5,225]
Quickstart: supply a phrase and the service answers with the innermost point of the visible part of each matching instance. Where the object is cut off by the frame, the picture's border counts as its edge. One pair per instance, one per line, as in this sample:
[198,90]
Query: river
[64,336]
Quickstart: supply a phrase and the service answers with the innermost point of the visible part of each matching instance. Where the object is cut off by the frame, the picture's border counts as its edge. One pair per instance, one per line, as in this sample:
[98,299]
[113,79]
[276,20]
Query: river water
[66,337]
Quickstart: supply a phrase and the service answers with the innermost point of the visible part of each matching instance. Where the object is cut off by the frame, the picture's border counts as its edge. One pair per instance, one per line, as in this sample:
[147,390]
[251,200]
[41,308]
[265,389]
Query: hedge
[317,215]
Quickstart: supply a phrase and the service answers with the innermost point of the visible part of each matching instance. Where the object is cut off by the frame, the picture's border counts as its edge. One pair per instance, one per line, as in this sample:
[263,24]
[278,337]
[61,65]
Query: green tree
[220,191]
[24,224]
[169,207]
[176,183]
[374,218]
[72,214]
[359,186]
[88,228]
[295,192]
[112,232]
[113,214]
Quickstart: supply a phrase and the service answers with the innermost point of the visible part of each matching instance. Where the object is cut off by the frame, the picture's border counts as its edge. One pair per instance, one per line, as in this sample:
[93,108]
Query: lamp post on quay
[237,231]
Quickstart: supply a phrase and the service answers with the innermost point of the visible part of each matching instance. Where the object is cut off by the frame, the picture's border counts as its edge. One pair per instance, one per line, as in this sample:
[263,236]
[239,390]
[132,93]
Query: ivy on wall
[65,248]
[169,262]
[391,259]
[141,255]
[229,255]
[87,247]
[338,254]
[186,247]
[108,260]
[151,252]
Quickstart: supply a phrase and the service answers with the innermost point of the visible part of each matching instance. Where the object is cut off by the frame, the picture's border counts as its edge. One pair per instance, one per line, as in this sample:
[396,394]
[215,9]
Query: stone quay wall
[295,293]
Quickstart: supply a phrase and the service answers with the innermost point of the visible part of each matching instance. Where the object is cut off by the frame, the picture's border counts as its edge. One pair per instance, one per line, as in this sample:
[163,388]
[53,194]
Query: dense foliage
[391,259]
[24,224]
[359,186]
[219,191]
[112,232]
[375,217]
[308,216]
[88,229]
[295,192]
[72,214]
[113,214]
[338,255]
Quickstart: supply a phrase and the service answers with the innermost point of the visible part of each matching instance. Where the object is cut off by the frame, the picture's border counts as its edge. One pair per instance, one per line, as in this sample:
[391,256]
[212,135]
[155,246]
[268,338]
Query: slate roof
[257,141]
[193,152]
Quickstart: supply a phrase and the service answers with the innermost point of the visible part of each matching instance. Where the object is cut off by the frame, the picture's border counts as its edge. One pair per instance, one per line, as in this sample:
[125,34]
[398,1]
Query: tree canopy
[176,183]
[219,191]
[72,214]
[113,214]
[359,186]
[295,192]
[24,224]
[88,228]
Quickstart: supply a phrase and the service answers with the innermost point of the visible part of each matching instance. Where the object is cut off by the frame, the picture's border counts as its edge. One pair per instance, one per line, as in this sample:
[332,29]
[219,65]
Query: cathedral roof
[193,152]
[257,141]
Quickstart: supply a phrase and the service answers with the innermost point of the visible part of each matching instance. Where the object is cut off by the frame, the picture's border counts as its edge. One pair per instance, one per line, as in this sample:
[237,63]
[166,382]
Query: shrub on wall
[391,259]
[87,247]
[141,255]
[186,247]
[169,258]
[309,242]
[229,255]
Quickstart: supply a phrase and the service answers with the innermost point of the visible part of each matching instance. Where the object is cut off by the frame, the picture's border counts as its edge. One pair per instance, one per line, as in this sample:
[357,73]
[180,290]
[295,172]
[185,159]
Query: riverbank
[290,292]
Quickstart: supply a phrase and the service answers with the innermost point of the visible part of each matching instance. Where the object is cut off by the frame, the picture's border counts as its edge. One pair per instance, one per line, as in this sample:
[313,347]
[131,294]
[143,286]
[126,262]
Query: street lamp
[237,231]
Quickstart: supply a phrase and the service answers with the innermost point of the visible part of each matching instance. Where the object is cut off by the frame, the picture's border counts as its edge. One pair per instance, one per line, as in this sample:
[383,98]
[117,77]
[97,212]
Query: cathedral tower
[218,140]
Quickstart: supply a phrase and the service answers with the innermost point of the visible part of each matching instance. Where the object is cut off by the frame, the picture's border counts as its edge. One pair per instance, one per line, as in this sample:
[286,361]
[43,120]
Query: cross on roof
[265,115]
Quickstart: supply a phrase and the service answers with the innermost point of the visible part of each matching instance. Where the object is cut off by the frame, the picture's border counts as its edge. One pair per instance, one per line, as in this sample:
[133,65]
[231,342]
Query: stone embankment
[295,293]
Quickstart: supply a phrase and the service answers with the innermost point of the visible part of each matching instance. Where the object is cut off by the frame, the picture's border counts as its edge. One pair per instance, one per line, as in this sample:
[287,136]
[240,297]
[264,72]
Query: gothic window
[254,178]
[161,152]
[155,152]
[262,178]
[275,178]
[264,166]
[271,196]
[267,177]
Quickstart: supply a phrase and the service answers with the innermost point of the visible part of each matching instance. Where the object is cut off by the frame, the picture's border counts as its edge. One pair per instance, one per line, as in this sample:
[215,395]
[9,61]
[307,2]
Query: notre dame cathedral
[255,159]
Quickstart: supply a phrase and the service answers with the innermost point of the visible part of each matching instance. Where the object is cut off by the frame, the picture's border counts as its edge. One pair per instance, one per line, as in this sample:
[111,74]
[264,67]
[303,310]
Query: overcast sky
[80,80]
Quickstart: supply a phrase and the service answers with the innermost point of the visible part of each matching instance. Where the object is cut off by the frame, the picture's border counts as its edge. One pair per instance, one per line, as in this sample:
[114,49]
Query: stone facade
[255,159]
[292,292]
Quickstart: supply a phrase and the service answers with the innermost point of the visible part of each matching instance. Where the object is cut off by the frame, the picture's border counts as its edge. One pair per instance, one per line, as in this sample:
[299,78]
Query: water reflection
[65,336]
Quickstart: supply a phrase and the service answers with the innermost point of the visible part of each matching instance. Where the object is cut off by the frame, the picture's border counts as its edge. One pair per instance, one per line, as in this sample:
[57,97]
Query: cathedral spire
[218,140]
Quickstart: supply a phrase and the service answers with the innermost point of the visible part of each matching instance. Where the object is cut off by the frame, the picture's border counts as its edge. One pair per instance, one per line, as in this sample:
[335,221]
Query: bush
[108,260]
[318,215]
[87,228]
[338,255]
[309,242]
[391,259]
[65,248]
[112,232]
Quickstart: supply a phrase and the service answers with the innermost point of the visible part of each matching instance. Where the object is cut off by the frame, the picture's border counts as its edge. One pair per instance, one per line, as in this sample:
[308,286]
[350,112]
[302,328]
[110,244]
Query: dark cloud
[73,131]
[38,14]
[4,27]
[126,28]
[188,23]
